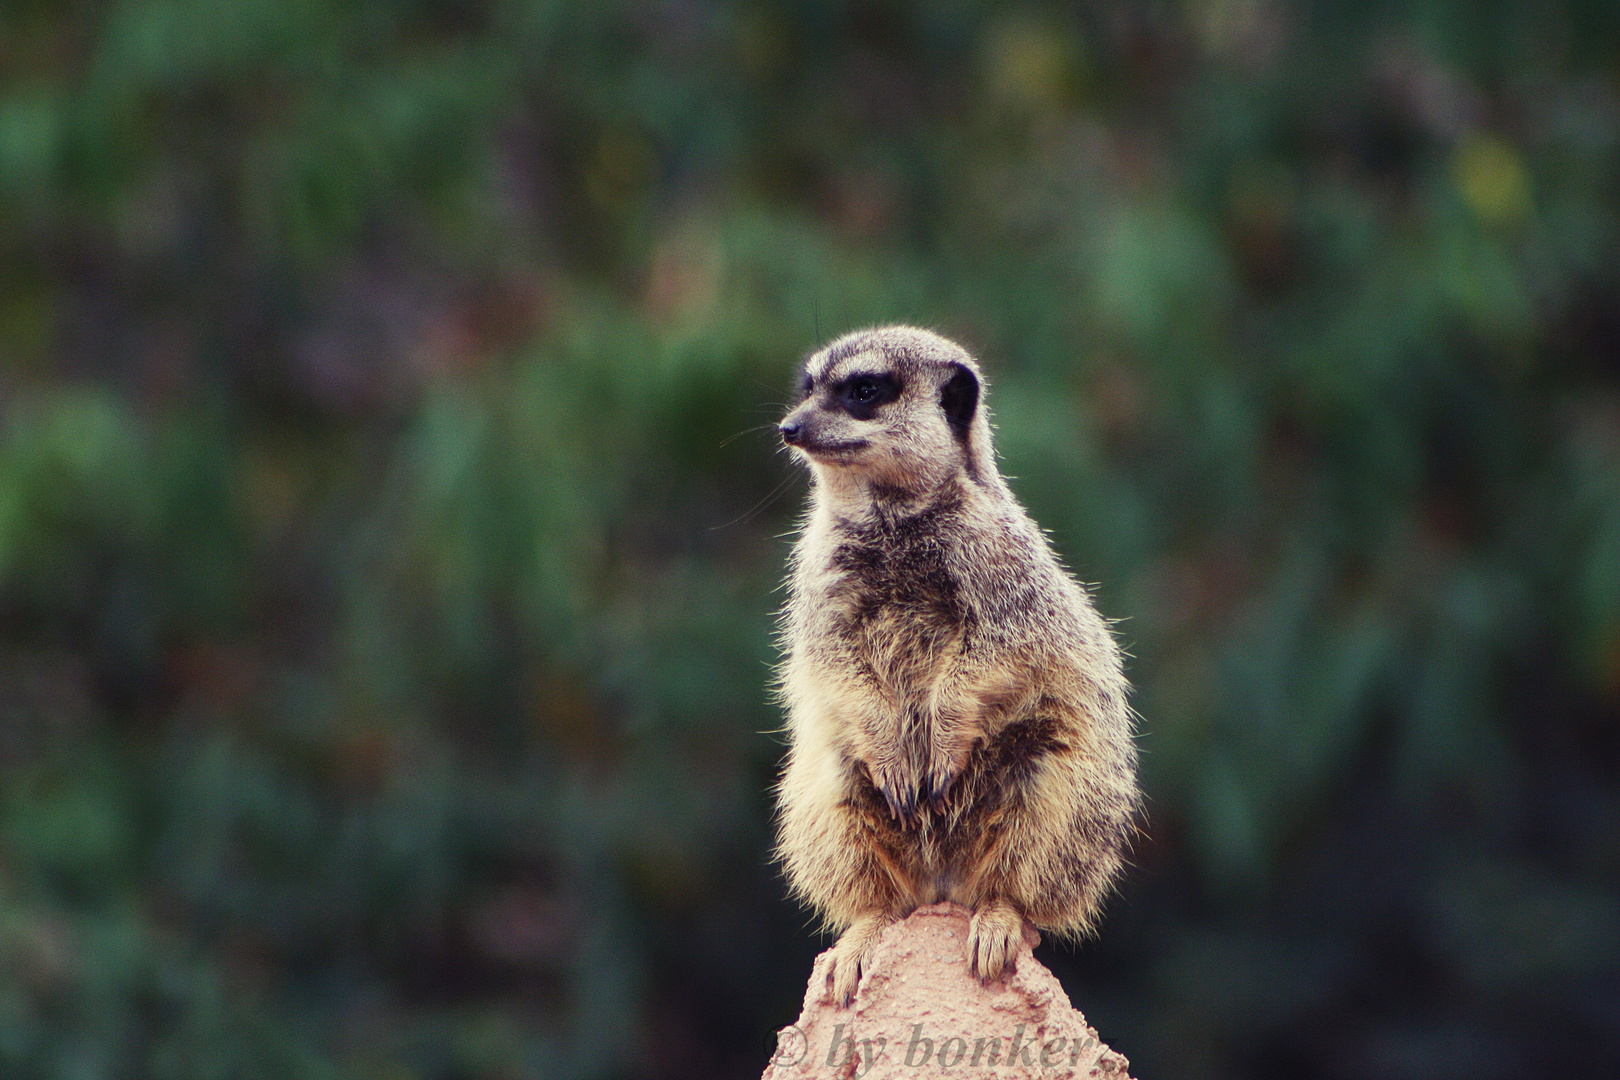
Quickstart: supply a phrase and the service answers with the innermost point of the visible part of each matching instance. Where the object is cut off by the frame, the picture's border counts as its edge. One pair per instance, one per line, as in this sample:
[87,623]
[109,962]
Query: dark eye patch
[807,383]
[861,394]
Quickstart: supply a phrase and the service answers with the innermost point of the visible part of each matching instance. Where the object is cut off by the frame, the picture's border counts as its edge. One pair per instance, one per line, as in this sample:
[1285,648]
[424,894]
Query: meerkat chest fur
[887,593]
[921,619]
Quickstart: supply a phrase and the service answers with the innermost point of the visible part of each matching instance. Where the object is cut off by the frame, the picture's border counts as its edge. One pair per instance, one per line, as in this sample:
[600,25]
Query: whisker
[745,431]
[766,387]
[759,506]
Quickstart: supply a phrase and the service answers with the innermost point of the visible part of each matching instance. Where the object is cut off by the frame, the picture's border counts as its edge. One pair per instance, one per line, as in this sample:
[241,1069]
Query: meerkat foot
[851,955]
[993,936]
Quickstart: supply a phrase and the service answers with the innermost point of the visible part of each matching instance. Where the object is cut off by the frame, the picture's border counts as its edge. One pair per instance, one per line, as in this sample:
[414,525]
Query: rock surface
[919,1013]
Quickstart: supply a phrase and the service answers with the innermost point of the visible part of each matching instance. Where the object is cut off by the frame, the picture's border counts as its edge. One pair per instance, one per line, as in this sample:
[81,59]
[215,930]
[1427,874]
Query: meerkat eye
[861,395]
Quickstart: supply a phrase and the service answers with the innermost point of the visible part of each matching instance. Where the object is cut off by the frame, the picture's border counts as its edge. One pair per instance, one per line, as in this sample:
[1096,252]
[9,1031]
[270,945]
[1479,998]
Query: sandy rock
[919,1013]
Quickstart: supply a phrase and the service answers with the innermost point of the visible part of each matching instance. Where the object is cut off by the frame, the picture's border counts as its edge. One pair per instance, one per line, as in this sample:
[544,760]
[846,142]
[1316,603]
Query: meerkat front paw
[993,936]
[898,791]
[939,786]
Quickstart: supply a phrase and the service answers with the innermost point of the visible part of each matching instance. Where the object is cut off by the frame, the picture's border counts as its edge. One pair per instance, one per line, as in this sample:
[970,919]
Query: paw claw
[941,787]
[901,797]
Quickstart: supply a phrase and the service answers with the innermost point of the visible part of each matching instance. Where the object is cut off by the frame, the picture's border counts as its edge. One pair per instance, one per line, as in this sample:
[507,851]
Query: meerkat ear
[959,399]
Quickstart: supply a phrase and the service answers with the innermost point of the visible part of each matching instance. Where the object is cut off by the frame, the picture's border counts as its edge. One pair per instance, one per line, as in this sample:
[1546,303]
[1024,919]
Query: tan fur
[956,707]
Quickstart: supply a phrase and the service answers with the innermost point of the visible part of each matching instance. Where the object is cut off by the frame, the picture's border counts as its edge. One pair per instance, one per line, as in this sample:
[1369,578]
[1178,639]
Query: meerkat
[957,719]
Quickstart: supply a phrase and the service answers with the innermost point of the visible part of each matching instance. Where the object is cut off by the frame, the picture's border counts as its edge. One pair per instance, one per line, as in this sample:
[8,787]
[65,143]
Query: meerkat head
[895,406]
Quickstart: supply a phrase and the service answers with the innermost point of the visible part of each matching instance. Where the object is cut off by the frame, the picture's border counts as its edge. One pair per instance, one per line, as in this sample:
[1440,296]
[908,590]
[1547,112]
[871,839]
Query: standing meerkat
[956,707]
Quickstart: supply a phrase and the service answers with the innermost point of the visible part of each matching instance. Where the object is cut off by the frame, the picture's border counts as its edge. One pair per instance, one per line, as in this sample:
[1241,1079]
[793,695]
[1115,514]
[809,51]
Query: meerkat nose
[791,431]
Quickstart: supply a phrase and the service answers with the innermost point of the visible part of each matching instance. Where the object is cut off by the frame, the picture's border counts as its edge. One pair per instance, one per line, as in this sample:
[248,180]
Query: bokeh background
[391,517]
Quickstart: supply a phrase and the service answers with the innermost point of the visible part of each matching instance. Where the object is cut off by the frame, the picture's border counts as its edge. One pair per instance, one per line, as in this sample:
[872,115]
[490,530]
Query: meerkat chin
[956,707]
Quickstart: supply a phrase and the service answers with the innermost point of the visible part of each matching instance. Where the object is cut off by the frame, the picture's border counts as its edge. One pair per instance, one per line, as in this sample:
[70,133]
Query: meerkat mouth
[832,453]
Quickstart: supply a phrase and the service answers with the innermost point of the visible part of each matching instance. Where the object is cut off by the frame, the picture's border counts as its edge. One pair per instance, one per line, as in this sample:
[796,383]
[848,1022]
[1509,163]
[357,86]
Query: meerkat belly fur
[956,707]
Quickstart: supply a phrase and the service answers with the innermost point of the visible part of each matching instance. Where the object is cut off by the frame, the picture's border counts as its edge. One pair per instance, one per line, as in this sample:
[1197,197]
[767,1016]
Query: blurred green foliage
[390,511]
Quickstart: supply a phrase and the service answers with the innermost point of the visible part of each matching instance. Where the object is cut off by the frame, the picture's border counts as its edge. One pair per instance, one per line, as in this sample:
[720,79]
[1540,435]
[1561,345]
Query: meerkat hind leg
[993,935]
[851,954]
